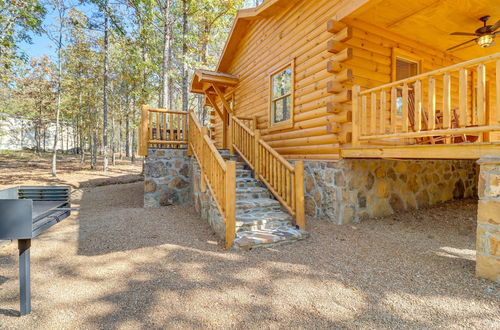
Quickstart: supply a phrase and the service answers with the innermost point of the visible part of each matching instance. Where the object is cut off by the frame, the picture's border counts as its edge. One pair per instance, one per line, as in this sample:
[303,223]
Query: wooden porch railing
[449,105]
[218,174]
[162,128]
[284,180]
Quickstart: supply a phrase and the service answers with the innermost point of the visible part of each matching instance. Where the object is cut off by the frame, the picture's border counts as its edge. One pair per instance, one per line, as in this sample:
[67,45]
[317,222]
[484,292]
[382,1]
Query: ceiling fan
[485,35]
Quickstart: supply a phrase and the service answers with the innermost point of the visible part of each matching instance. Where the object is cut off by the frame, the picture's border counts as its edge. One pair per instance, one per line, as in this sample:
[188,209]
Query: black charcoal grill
[26,212]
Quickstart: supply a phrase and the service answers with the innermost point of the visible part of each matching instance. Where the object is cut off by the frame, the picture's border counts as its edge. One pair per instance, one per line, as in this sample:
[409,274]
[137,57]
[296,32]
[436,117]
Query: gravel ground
[25,168]
[116,265]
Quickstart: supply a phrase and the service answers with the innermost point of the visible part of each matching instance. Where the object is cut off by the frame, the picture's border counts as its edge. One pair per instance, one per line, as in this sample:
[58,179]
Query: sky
[41,44]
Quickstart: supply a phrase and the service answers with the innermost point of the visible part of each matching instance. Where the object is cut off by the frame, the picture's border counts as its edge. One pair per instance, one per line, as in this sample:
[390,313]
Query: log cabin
[351,109]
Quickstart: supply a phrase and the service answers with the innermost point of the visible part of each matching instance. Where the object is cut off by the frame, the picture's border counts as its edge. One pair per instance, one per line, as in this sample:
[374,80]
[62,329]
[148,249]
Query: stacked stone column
[488,219]
[167,178]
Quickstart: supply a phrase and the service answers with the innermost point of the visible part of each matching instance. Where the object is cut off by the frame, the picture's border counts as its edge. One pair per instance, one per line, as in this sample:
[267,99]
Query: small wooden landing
[435,151]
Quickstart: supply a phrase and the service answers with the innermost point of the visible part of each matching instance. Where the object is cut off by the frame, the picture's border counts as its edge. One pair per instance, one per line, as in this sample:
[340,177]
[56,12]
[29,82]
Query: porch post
[488,219]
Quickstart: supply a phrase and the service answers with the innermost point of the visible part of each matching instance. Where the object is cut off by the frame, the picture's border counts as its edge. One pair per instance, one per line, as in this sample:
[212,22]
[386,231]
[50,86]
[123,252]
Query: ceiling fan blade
[463,43]
[495,26]
[462,34]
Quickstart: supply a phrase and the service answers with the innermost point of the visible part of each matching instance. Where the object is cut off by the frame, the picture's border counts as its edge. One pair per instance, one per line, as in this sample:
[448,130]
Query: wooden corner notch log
[332,107]
[334,26]
[345,137]
[336,44]
[343,35]
[337,84]
[343,96]
[340,118]
[344,55]
[335,47]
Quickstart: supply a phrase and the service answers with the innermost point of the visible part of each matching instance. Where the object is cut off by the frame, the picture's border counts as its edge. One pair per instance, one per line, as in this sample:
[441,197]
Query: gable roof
[240,25]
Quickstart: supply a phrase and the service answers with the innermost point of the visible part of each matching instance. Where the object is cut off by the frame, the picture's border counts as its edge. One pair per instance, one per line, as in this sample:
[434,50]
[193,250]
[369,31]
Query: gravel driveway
[116,265]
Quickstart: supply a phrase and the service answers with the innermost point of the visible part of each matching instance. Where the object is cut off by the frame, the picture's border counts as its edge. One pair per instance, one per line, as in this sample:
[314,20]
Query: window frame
[289,122]
[398,53]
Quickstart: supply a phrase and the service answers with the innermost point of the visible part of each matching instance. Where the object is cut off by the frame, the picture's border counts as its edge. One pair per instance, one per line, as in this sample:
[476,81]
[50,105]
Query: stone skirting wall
[354,189]
[167,178]
[204,203]
[488,220]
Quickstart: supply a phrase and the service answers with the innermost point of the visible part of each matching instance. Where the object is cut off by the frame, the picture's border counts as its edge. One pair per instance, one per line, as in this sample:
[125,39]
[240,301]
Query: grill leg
[24,275]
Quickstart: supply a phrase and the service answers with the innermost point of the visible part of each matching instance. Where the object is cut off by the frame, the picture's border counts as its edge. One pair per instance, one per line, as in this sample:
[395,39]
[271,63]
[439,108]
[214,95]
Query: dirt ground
[116,265]
[25,168]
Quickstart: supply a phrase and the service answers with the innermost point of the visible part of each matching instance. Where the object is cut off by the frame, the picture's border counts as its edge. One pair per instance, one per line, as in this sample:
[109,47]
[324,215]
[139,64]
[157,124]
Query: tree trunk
[104,92]
[164,99]
[61,10]
[127,130]
[120,137]
[185,8]
[113,141]
[203,59]
[134,133]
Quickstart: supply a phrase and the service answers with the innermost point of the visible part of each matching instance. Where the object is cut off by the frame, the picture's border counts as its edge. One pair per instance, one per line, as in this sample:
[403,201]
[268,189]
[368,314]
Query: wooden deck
[435,151]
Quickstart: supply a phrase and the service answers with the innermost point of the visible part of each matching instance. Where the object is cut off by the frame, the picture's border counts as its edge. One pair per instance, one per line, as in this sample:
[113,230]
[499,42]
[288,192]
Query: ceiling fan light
[486,41]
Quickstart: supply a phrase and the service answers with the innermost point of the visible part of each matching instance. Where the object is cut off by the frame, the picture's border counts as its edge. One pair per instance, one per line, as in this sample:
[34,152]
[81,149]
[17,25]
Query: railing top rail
[244,118]
[167,111]
[248,130]
[195,121]
[280,158]
[215,152]
[454,67]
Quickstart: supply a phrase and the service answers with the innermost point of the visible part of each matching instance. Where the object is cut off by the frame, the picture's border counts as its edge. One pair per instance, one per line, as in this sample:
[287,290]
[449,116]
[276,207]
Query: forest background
[92,63]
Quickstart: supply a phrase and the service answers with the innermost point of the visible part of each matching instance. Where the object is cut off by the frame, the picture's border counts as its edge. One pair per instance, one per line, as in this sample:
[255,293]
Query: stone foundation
[204,203]
[354,189]
[167,178]
[488,220]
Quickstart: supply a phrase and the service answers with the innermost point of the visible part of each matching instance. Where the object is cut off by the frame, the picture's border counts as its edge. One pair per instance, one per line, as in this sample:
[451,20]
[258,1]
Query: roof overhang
[204,79]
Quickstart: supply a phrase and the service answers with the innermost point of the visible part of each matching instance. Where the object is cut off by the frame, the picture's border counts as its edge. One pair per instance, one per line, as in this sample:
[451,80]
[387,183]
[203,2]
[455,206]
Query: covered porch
[417,90]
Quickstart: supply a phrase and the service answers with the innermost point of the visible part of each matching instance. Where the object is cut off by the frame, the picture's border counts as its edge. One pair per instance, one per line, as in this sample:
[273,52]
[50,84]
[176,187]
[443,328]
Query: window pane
[281,109]
[405,69]
[282,83]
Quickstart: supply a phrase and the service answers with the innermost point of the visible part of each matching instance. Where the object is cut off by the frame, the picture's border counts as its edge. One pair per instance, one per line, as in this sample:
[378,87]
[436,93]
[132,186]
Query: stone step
[246,240]
[244,173]
[248,182]
[257,205]
[252,192]
[262,220]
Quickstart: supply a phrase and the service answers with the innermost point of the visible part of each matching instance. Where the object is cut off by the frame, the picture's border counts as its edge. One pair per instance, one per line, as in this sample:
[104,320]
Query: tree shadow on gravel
[170,272]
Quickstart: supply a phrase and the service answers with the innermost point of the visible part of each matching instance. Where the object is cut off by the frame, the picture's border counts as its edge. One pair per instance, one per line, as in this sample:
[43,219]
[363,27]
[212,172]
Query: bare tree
[166,63]
[185,8]
[60,7]
[105,90]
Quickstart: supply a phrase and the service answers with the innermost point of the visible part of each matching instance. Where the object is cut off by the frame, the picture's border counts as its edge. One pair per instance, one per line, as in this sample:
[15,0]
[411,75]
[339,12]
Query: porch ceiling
[431,21]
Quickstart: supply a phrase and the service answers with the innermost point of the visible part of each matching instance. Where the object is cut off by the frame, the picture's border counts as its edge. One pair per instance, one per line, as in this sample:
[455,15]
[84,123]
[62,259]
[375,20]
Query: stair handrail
[216,173]
[284,179]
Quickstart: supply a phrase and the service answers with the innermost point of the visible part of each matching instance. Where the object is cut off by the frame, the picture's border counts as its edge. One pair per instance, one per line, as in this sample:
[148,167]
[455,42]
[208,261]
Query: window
[405,65]
[405,68]
[282,97]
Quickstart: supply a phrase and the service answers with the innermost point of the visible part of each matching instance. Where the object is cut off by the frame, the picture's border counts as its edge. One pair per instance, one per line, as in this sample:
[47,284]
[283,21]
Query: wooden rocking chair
[439,139]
